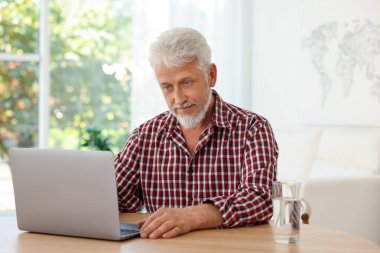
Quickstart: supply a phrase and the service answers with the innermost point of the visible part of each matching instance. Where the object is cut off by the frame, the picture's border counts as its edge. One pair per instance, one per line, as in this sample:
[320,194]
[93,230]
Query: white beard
[194,121]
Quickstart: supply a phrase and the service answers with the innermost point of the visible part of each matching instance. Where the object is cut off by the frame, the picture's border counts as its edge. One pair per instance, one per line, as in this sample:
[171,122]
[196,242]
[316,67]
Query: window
[90,77]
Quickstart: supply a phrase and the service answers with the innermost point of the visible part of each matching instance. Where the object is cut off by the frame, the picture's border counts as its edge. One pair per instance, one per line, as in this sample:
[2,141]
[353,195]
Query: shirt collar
[220,116]
[221,113]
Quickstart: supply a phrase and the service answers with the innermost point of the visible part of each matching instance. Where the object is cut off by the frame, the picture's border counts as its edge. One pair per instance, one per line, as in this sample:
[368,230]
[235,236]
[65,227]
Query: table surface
[247,239]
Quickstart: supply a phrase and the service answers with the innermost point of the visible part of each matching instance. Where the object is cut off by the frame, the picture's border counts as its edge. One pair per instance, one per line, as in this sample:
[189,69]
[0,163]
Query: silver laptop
[66,192]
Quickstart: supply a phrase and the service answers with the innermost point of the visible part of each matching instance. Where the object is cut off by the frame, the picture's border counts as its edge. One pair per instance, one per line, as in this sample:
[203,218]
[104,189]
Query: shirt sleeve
[128,176]
[252,202]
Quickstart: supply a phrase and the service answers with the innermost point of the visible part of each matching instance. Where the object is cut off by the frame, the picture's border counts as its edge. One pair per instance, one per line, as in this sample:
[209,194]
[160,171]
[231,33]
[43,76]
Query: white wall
[286,85]
[274,69]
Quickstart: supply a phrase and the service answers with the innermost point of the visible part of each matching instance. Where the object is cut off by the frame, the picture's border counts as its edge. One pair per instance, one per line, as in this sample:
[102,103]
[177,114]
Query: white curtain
[226,25]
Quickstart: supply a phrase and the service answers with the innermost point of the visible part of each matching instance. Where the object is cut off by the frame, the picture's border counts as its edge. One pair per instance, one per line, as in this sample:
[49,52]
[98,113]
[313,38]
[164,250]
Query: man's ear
[212,75]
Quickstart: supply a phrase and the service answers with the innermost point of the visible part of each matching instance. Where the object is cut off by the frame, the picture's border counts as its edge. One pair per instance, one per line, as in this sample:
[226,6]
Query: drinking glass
[287,206]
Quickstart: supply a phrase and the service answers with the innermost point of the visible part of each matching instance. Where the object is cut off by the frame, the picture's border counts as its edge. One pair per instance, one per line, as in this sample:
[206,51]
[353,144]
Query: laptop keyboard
[129,229]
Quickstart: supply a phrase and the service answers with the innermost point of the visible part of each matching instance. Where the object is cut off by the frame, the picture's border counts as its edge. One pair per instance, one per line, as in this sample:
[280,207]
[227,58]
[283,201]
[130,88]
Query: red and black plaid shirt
[233,167]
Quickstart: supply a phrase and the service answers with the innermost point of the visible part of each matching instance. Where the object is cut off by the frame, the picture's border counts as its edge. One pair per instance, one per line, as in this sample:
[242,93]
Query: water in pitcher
[286,219]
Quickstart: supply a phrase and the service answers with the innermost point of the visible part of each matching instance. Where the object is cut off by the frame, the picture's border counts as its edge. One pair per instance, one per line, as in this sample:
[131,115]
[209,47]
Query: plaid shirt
[233,167]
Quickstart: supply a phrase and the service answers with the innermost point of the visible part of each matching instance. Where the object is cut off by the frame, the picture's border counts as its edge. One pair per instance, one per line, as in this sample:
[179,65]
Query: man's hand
[172,222]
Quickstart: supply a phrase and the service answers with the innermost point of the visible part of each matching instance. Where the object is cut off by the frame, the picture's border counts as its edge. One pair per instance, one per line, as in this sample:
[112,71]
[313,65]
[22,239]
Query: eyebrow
[181,80]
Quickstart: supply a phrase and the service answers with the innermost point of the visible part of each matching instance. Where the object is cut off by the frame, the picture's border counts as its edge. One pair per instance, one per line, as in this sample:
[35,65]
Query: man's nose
[179,97]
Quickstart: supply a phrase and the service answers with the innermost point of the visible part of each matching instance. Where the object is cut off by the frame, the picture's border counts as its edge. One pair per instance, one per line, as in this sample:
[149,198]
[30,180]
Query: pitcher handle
[306,211]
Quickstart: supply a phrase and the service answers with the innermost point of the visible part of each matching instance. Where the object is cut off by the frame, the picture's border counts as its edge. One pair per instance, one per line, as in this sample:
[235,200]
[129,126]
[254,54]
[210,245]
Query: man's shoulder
[155,124]
[240,116]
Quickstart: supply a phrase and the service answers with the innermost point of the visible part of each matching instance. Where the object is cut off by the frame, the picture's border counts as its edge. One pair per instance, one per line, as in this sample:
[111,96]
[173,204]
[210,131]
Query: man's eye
[166,88]
[188,82]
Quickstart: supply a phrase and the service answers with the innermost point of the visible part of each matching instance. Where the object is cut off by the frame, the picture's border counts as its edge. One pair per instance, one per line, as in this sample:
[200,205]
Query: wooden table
[247,239]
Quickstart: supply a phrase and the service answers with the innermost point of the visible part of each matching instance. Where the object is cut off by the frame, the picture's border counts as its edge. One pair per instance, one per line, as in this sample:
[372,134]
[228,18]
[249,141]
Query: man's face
[187,90]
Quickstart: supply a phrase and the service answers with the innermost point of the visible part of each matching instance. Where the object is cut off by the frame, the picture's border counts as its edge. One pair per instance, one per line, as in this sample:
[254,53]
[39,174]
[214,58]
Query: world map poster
[340,63]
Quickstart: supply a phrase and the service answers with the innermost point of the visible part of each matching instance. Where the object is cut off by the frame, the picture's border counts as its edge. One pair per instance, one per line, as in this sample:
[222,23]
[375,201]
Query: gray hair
[179,46]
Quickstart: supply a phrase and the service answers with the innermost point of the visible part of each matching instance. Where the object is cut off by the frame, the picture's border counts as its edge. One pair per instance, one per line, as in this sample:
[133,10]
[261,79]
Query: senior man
[204,163]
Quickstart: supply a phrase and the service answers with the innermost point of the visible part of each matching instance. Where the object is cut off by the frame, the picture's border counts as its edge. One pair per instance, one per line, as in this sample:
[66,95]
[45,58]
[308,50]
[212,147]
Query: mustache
[184,105]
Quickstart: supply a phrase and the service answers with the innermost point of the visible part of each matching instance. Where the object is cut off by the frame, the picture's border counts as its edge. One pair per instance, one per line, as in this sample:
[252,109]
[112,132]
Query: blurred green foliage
[90,45]
[95,140]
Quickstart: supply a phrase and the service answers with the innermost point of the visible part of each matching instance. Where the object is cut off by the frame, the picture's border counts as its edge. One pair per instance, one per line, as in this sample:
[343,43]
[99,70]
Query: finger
[150,226]
[164,228]
[174,232]
[149,221]
[159,213]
